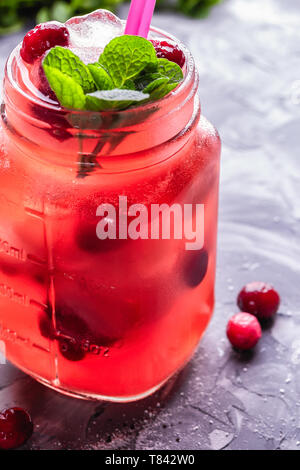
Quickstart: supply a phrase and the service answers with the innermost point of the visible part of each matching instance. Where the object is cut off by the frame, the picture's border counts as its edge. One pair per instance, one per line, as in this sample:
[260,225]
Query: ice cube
[94,30]
[88,55]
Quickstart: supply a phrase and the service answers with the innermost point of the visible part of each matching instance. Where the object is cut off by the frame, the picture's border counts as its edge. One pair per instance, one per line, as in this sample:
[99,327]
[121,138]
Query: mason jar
[108,226]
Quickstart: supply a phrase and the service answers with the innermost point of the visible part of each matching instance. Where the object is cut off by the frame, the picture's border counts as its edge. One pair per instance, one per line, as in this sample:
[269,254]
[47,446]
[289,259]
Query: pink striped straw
[139,18]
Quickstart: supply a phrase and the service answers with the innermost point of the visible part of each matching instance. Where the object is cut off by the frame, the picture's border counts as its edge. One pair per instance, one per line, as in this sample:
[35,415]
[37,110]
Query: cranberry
[243,331]
[39,80]
[195,267]
[69,329]
[59,124]
[72,332]
[71,349]
[169,50]
[87,239]
[44,36]
[15,428]
[260,299]
[45,325]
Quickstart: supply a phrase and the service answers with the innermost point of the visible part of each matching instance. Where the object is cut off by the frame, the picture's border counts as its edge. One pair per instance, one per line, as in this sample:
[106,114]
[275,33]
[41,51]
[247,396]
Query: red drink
[108,319]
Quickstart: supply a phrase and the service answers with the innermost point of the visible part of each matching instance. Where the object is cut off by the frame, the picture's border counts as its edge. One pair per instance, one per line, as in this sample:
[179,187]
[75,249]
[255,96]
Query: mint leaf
[103,80]
[148,83]
[128,71]
[170,69]
[144,79]
[101,77]
[125,57]
[116,99]
[162,82]
[68,91]
[69,64]
[158,83]
[161,90]
[129,85]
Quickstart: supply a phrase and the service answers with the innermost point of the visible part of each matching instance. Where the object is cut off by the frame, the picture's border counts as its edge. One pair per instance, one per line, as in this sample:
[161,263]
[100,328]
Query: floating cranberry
[15,428]
[169,50]
[59,124]
[195,267]
[44,36]
[243,331]
[71,349]
[39,80]
[72,333]
[70,329]
[46,327]
[260,299]
[60,134]
[87,239]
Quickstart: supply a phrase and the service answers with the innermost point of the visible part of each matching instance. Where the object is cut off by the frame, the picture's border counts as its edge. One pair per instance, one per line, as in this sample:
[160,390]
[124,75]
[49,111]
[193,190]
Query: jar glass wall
[105,318]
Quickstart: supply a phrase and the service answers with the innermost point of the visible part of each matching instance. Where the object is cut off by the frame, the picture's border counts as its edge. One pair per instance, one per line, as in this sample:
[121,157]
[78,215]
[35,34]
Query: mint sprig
[128,73]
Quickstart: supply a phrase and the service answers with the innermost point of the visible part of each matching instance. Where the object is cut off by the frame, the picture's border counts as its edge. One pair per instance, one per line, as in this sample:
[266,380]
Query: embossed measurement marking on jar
[34,212]
[7,334]
[12,251]
[85,345]
[20,254]
[24,300]
[14,296]
[40,215]
[11,294]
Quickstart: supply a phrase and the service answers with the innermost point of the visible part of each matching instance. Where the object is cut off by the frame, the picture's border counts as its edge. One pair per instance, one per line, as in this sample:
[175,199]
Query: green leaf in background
[13,13]
[116,99]
[125,57]
[197,8]
[43,15]
[61,11]
[68,91]
[69,64]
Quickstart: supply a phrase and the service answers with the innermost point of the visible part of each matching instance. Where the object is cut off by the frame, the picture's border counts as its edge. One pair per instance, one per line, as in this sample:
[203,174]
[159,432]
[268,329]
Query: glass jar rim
[183,86]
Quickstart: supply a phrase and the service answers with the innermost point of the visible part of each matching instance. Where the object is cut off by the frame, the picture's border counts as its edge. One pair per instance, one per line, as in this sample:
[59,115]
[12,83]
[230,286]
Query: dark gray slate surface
[248,54]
